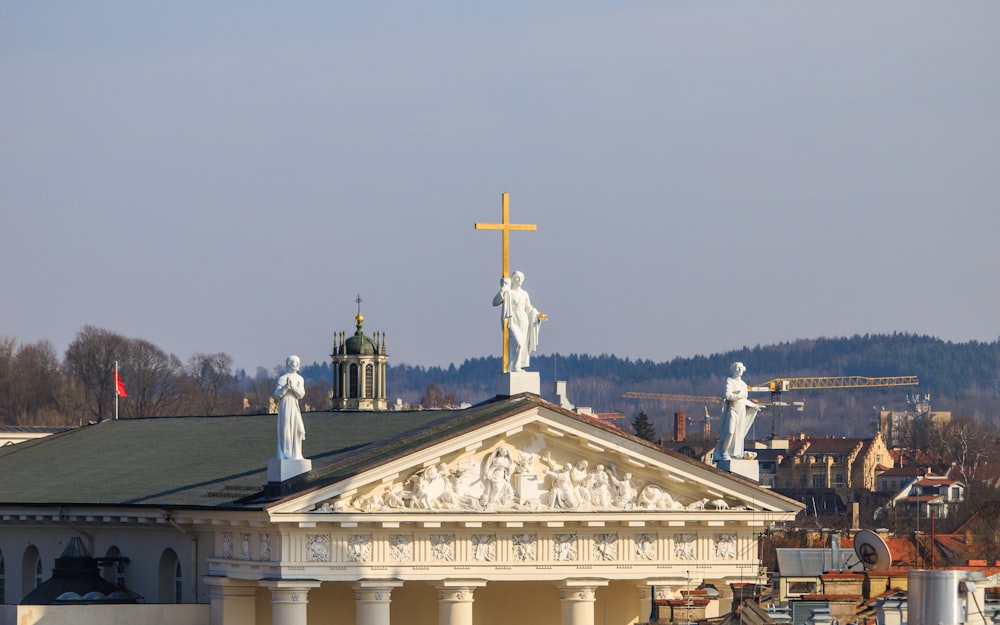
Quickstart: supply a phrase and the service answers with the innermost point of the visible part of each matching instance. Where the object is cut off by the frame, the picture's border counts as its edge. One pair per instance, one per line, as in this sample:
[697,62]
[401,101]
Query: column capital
[290,590]
[228,587]
[375,591]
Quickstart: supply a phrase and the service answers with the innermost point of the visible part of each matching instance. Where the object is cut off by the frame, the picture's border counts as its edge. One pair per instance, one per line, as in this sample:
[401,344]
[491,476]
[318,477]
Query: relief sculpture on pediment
[506,479]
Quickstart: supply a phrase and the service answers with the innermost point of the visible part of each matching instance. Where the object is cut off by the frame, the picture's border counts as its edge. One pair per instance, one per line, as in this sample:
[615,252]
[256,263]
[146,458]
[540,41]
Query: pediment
[540,460]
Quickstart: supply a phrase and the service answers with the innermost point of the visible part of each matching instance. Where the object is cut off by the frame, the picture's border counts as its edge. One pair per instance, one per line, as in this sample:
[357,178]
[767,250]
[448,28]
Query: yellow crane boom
[778,386]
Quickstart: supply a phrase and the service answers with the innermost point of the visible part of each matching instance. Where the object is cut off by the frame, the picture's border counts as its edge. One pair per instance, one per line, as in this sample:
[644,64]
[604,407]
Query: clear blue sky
[228,176]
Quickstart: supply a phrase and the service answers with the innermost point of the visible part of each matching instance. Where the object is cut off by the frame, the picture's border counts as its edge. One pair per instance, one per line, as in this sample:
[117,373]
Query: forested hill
[961,377]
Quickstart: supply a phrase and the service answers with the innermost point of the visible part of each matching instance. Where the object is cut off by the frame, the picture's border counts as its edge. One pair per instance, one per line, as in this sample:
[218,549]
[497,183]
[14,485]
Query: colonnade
[233,600]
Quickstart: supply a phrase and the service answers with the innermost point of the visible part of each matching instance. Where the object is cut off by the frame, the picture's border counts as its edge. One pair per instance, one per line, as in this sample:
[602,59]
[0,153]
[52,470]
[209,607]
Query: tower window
[354,391]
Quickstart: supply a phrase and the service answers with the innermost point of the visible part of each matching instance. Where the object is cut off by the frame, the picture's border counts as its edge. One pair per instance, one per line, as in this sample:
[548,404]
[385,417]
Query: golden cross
[505,227]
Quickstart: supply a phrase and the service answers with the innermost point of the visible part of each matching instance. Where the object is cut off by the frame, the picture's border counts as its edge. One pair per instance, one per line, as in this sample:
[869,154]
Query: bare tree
[91,359]
[29,378]
[257,391]
[213,381]
[152,379]
[966,442]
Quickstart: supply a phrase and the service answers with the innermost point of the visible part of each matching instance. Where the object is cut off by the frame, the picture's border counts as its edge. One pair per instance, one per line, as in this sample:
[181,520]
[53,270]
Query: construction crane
[778,386]
[697,399]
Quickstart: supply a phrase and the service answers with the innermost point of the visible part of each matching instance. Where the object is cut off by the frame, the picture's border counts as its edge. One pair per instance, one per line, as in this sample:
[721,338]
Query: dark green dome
[359,344]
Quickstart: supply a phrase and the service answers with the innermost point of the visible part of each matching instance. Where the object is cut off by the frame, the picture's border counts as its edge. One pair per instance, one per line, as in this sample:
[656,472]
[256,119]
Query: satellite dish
[872,551]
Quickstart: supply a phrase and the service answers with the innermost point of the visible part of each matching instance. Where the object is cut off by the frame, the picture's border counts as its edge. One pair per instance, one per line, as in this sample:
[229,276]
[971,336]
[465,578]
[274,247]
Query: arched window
[369,381]
[170,579]
[114,571]
[354,390]
[31,567]
[178,584]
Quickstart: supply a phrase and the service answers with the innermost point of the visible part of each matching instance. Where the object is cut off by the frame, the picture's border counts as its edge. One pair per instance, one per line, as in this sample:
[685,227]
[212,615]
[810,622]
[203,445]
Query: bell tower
[359,369]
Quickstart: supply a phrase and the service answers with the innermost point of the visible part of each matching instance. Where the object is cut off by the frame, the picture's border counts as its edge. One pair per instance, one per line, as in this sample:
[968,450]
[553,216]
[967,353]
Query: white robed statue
[291,430]
[738,414]
[523,321]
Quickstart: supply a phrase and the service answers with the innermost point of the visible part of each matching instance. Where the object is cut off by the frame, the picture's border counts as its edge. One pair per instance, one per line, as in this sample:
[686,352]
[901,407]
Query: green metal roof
[214,462]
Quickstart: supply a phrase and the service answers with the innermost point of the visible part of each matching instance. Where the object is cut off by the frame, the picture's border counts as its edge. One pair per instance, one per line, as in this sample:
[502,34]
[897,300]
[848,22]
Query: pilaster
[231,600]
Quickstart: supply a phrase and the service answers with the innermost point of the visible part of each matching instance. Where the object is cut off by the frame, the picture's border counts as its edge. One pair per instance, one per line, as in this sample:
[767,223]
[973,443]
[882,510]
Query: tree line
[37,387]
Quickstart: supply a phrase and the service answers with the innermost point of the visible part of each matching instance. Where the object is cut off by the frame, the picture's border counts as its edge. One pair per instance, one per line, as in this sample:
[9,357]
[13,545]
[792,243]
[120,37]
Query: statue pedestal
[279,470]
[749,469]
[514,382]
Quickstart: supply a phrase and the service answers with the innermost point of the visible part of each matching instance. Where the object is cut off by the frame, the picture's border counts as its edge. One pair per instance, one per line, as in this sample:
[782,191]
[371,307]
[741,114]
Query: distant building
[929,496]
[829,463]
[896,426]
[359,365]
[896,478]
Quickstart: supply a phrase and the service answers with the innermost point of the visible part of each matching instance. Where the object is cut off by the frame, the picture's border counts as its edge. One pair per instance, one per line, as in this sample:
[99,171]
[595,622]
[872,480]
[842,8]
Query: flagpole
[116,390]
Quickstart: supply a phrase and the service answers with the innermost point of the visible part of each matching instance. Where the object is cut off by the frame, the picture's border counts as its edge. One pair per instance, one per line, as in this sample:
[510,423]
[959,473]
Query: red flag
[119,385]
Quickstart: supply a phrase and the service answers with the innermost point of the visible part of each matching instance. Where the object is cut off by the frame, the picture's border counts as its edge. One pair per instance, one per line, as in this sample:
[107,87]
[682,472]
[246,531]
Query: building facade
[515,510]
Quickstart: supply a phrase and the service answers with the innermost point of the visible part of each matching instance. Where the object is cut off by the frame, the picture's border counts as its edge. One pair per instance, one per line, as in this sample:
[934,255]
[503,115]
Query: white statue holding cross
[520,320]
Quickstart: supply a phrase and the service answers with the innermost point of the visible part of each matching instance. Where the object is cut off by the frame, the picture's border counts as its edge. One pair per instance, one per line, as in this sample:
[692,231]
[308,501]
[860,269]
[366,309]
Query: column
[289,600]
[371,601]
[577,597]
[231,600]
[645,601]
[455,600]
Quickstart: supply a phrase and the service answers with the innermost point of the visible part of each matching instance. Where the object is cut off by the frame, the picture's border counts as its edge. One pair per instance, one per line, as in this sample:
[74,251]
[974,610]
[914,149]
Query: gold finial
[360,317]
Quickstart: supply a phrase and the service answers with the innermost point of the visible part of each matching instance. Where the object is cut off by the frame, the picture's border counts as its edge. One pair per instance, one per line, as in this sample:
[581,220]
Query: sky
[704,175]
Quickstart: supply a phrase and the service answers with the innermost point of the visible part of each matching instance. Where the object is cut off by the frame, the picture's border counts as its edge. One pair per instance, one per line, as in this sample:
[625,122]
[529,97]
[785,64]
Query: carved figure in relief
[599,487]
[524,547]
[562,495]
[523,321]
[401,548]
[291,431]
[698,505]
[625,493]
[496,478]
[441,547]
[393,497]
[718,504]
[725,546]
[484,547]
[645,549]
[684,547]
[264,549]
[606,547]
[654,497]
[359,548]
[245,550]
[578,474]
[564,547]
[426,491]
[318,548]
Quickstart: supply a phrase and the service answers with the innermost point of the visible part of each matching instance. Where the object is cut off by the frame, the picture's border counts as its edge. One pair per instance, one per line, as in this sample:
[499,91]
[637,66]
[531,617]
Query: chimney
[680,427]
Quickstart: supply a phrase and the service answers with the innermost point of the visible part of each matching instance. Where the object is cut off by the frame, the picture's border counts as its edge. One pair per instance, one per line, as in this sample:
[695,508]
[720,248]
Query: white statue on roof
[291,430]
[523,321]
[738,414]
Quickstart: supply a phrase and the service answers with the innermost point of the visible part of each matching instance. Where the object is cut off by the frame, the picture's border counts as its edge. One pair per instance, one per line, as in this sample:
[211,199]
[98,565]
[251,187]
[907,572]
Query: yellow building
[831,463]
[511,511]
